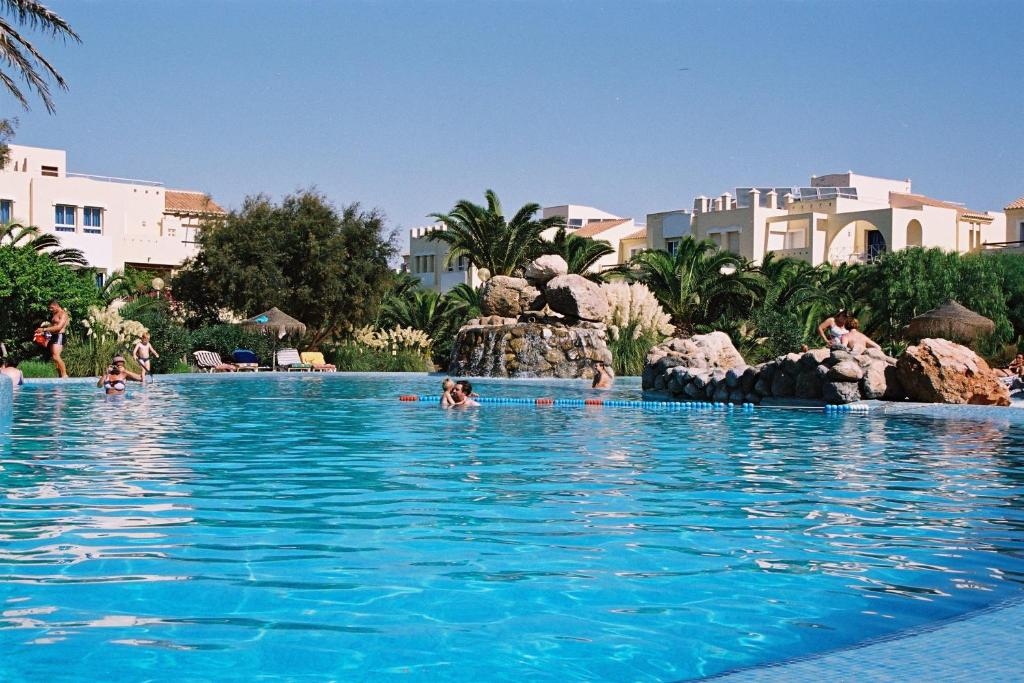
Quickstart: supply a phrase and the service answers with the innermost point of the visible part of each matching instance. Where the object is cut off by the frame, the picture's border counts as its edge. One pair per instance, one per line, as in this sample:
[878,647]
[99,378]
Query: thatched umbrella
[277,323]
[949,321]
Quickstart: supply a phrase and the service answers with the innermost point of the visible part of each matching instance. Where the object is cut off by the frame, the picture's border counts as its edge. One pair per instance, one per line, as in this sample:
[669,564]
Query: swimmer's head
[447,384]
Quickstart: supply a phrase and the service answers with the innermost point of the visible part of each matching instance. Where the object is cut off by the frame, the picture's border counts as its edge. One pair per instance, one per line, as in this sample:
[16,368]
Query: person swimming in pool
[446,392]
[461,393]
[603,376]
[114,380]
[142,352]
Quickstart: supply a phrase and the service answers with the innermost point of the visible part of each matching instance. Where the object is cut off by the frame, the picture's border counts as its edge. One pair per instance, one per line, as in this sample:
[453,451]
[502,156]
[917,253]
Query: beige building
[114,221]
[840,218]
[666,228]
[428,260]
[1015,221]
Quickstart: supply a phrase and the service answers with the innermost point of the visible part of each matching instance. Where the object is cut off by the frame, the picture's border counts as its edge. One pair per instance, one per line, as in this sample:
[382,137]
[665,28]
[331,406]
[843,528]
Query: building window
[50,171]
[5,210]
[634,251]
[733,242]
[575,222]
[671,246]
[64,218]
[1020,234]
[99,279]
[92,220]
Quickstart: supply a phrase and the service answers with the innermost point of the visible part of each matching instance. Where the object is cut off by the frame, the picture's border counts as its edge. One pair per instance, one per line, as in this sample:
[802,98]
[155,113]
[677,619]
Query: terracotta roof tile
[186,201]
[1016,204]
[597,227]
[640,234]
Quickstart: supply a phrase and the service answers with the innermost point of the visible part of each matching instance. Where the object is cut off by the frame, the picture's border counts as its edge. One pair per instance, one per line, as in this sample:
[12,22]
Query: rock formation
[708,368]
[941,371]
[545,325]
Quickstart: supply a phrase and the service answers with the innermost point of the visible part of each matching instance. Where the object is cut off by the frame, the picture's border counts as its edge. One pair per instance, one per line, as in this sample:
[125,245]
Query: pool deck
[975,646]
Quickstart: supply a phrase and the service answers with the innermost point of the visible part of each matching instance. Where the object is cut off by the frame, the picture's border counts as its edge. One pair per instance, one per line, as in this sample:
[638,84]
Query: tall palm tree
[581,253]
[699,285]
[17,53]
[789,284]
[490,241]
[31,237]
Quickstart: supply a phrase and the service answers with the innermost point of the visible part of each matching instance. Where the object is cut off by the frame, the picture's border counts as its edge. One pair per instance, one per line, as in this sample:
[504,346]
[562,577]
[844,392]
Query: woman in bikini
[115,378]
[833,329]
[142,352]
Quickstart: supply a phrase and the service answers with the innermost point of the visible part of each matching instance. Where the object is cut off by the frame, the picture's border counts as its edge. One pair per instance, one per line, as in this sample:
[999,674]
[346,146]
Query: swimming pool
[314,527]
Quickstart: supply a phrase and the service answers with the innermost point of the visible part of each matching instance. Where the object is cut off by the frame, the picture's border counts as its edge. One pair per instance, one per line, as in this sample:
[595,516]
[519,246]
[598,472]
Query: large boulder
[840,392]
[544,268]
[940,371]
[507,297]
[576,296]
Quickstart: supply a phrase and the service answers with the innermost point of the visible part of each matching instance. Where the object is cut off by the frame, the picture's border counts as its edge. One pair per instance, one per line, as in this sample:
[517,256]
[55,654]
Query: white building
[840,218]
[116,222]
[428,260]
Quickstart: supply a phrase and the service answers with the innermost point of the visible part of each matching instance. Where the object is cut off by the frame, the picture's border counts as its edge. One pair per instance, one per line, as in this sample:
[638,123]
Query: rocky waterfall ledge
[546,324]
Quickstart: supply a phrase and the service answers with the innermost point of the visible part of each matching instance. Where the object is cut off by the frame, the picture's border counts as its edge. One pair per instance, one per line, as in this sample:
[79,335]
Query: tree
[23,57]
[323,266]
[31,237]
[468,297]
[698,286]
[580,253]
[29,279]
[482,234]
[6,135]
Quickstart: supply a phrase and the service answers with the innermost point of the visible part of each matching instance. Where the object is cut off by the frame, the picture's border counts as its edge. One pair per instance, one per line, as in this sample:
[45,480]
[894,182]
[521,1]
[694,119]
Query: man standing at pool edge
[55,330]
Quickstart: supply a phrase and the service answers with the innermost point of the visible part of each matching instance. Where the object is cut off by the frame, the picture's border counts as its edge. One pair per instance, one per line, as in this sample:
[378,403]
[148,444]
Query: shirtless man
[55,330]
[461,393]
[602,376]
[855,340]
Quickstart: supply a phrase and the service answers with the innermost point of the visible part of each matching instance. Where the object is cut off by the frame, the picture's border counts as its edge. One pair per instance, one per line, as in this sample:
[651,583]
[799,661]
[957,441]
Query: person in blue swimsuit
[114,380]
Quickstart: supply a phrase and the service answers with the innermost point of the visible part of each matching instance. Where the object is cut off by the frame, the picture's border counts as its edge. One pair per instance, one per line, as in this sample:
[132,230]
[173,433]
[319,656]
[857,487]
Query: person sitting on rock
[603,376]
[1016,366]
[855,340]
[831,330]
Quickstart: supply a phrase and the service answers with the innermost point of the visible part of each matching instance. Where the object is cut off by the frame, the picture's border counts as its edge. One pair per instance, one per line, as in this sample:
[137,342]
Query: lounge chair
[289,360]
[210,361]
[246,360]
[316,359]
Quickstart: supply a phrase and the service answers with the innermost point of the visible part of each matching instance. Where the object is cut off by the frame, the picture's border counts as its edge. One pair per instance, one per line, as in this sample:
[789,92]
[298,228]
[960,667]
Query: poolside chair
[210,361]
[246,360]
[316,359]
[290,361]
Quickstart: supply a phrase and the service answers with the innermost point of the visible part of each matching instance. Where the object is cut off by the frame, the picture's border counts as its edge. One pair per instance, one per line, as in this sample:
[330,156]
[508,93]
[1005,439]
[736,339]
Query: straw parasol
[950,321]
[275,321]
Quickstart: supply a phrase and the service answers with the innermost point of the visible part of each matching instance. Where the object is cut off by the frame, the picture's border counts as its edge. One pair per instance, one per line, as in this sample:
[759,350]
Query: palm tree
[489,241]
[426,310]
[466,296]
[581,253]
[20,55]
[699,285]
[31,237]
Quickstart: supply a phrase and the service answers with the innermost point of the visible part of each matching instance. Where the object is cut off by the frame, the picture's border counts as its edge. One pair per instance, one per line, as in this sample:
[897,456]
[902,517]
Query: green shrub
[179,368]
[170,339]
[37,368]
[350,356]
[89,357]
[226,338]
[629,349]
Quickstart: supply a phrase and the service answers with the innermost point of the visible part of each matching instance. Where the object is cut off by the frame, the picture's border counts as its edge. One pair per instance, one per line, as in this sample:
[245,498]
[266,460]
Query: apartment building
[666,228]
[1015,221]
[115,222]
[428,260]
[839,218]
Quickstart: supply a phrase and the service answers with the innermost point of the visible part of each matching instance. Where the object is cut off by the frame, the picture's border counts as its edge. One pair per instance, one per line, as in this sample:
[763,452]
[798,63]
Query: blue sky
[410,106]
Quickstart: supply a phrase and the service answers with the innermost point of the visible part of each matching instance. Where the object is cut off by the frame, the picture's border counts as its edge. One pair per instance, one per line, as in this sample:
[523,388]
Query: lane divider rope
[652,405]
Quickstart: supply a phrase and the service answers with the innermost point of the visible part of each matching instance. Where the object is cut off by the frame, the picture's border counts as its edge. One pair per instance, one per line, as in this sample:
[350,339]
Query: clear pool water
[314,528]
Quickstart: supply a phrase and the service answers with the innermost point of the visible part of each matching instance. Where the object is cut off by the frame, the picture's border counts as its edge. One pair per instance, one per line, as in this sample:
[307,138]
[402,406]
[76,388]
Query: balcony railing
[113,179]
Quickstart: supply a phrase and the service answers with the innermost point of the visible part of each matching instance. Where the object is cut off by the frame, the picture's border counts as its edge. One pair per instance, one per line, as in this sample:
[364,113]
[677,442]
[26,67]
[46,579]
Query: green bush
[89,357]
[352,357]
[629,350]
[170,339]
[226,338]
[37,368]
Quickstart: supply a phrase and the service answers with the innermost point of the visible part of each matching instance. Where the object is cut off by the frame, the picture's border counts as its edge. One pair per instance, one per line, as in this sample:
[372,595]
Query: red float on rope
[408,397]
[594,402]
[545,401]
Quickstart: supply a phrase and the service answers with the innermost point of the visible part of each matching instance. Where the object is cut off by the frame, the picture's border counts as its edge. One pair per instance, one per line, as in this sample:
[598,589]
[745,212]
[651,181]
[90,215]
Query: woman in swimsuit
[142,351]
[116,376]
[833,329]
